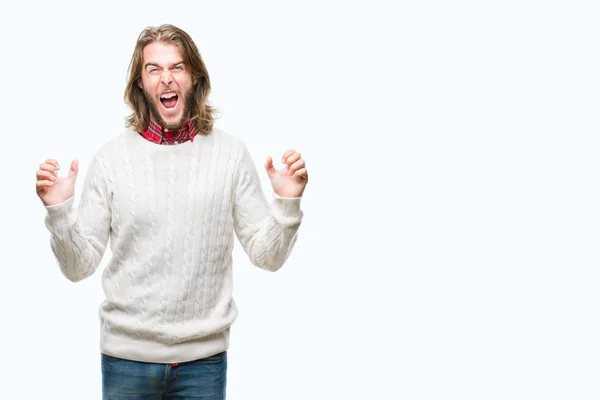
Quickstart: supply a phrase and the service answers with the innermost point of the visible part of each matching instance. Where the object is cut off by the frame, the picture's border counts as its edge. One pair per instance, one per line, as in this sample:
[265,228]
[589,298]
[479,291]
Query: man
[169,193]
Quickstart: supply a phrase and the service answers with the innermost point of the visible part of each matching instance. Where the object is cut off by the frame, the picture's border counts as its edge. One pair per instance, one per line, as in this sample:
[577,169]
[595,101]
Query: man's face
[167,84]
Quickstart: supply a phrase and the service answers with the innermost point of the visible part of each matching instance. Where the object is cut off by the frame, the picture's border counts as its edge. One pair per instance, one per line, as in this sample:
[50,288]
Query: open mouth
[169,100]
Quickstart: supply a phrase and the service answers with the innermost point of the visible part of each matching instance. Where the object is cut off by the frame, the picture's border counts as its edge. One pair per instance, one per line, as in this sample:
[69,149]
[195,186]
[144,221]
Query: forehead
[161,53]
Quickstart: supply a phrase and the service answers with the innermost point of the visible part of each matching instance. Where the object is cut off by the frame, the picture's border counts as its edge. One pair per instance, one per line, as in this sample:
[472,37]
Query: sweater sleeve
[267,232]
[79,236]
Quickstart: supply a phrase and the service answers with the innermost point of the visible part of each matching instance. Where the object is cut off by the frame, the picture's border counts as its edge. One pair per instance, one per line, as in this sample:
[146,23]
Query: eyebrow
[151,64]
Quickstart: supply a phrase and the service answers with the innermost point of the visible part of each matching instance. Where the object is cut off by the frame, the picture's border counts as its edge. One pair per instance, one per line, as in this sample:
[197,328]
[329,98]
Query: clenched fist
[51,188]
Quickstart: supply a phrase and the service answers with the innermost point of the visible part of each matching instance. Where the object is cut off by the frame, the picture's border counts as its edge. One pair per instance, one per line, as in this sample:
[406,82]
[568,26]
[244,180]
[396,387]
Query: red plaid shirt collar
[157,134]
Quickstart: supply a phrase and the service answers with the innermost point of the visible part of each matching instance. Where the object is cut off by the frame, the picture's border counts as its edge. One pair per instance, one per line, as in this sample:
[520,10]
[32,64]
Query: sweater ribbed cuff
[287,210]
[58,214]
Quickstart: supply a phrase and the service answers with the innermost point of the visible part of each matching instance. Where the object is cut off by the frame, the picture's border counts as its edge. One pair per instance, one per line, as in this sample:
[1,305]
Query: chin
[172,123]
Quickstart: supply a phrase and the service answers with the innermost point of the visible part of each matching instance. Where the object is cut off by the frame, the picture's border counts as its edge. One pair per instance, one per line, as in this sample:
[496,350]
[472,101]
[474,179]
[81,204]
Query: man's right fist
[51,188]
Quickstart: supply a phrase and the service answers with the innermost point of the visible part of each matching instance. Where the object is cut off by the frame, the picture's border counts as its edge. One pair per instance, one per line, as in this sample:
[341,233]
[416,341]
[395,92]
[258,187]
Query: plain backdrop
[450,243]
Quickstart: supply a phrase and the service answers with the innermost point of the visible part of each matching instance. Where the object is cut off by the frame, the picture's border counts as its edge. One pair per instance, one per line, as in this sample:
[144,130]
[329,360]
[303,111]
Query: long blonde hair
[200,113]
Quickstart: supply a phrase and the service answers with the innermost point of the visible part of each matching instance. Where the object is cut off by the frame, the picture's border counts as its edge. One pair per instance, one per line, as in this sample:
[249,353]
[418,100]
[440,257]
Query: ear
[140,84]
[194,80]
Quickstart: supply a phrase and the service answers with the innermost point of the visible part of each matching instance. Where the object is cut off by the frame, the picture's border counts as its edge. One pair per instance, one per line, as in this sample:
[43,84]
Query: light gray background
[450,245]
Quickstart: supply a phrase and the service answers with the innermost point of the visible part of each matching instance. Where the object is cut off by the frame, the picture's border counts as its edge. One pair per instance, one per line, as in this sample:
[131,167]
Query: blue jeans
[200,379]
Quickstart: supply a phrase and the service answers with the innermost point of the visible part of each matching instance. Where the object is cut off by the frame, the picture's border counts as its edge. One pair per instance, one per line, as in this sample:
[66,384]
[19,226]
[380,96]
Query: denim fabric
[199,379]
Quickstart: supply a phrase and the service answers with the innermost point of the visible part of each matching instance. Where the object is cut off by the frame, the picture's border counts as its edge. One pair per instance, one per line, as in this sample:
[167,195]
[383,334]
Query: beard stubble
[187,108]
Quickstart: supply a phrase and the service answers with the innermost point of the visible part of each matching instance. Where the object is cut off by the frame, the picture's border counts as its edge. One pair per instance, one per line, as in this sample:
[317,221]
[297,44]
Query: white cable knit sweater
[170,212]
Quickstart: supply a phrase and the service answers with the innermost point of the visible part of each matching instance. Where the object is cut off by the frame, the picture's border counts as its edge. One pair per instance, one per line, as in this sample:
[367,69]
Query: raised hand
[291,180]
[51,188]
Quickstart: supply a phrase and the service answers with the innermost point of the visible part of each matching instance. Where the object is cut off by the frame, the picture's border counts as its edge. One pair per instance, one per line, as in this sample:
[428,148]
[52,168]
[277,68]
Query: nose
[166,77]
